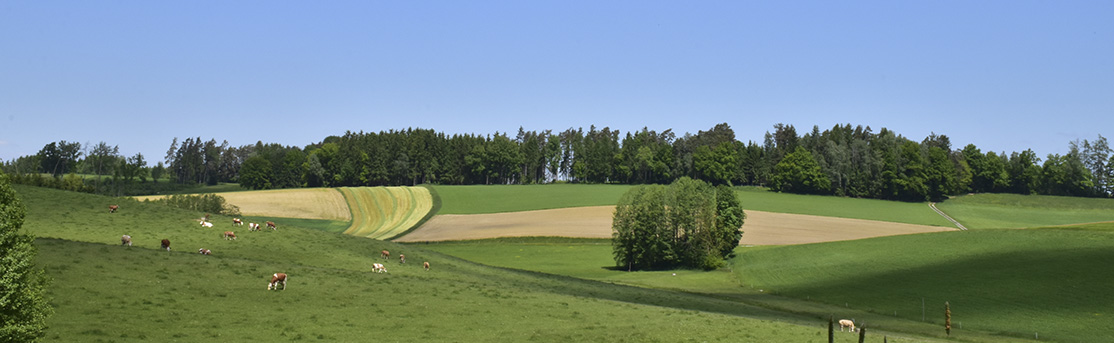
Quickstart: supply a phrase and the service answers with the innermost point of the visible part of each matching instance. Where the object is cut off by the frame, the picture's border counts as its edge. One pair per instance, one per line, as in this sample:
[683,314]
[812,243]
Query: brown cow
[385,254]
[204,251]
[166,244]
[378,268]
[426,265]
[126,240]
[401,258]
[271,225]
[237,221]
[277,279]
[229,235]
[113,208]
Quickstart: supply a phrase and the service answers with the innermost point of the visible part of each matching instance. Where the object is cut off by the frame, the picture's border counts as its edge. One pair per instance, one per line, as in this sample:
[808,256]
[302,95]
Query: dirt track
[760,228]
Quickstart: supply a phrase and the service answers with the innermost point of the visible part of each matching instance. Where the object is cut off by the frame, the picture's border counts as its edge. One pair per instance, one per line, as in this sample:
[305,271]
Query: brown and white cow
[229,235]
[385,254]
[126,240]
[166,244]
[206,224]
[276,279]
[204,251]
[113,208]
[401,258]
[425,265]
[253,227]
[271,225]
[237,221]
[378,268]
[846,323]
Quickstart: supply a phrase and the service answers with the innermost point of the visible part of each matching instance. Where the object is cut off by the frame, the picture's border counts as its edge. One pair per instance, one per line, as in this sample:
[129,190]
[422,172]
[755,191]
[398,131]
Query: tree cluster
[843,160]
[688,223]
[23,304]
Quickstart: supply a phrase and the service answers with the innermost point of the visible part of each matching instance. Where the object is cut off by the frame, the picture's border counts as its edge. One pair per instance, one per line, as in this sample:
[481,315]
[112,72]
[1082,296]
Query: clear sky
[1003,75]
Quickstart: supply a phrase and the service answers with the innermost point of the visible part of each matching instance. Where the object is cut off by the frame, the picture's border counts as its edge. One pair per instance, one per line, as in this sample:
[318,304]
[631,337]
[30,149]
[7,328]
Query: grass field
[1014,284]
[988,211]
[496,199]
[385,212]
[103,292]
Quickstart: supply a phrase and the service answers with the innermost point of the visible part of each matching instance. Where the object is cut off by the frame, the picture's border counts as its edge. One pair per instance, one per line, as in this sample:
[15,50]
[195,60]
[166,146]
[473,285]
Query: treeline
[843,160]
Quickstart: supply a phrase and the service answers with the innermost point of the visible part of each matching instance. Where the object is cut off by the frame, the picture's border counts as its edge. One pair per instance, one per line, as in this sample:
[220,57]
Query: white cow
[253,227]
[378,268]
[206,224]
[846,323]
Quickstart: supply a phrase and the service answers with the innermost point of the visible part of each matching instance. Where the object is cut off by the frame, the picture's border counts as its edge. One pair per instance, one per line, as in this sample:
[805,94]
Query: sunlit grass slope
[104,292]
[1050,282]
[385,212]
[514,198]
[986,211]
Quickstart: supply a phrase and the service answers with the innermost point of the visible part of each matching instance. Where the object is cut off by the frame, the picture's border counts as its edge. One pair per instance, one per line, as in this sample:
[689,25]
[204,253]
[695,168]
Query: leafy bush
[210,203]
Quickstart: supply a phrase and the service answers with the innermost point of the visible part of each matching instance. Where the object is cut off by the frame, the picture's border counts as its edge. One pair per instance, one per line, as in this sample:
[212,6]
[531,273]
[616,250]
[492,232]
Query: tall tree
[23,304]
[798,172]
[59,158]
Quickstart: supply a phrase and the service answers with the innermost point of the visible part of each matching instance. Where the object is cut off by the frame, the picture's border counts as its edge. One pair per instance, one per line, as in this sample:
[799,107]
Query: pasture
[152,295]
[385,212]
[515,198]
[1002,284]
[990,211]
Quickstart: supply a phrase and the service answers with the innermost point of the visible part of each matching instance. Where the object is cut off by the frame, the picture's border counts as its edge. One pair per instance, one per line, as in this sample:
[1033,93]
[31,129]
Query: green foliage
[256,173]
[689,223]
[798,172]
[208,203]
[23,304]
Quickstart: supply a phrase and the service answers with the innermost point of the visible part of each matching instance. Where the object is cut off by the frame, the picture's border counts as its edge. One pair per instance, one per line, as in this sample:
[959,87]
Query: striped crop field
[385,212]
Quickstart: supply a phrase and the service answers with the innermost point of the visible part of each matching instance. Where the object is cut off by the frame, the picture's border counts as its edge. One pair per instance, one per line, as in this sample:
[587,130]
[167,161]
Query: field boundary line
[946,216]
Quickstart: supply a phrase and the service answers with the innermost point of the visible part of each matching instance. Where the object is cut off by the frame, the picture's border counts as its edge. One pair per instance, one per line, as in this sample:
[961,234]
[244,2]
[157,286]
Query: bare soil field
[306,203]
[761,228]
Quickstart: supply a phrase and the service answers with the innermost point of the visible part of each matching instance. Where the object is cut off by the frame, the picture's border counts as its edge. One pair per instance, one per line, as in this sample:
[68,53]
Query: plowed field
[760,228]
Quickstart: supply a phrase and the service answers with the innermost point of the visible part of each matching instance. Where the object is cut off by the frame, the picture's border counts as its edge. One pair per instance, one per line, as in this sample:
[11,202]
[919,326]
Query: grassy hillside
[514,198]
[987,211]
[385,212]
[103,292]
[496,199]
[1009,283]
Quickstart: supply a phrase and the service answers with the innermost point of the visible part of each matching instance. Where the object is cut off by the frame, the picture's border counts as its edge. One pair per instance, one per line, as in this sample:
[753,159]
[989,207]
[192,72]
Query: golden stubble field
[760,228]
[305,203]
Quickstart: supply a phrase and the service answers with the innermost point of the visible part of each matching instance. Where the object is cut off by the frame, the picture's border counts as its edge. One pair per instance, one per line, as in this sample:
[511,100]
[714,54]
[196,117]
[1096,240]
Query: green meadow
[989,211]
[105,292]
[513,198]
[1002,284]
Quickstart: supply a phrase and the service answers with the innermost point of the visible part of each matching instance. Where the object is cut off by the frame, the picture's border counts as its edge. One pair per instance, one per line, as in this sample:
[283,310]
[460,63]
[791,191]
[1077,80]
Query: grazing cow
[126,240]
[846,323]
[425,265]
[229,235]
[237,221]
[385,254]
[278,278]
[401,258]
[253,227]
[378,268]
[113,208]
[271,225]
[206,224]
[204,251]
[166,244]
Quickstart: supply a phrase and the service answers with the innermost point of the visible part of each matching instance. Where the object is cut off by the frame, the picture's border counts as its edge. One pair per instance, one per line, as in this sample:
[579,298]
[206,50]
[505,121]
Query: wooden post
[831,337]
[948,318]
[862,334]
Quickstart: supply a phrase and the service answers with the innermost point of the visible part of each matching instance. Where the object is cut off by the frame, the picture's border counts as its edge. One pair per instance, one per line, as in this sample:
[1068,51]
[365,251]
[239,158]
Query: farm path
[760,228]
[946,216]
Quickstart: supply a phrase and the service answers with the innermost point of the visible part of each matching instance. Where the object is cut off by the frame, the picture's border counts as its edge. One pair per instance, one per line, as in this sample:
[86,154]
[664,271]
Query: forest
[845,160]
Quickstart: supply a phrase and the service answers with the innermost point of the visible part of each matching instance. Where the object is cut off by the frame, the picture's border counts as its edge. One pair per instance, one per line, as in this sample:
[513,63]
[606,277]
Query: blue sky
[1003,75]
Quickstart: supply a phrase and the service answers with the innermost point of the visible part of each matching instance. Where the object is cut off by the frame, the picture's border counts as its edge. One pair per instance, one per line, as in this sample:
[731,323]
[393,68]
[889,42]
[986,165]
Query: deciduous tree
[23,304]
